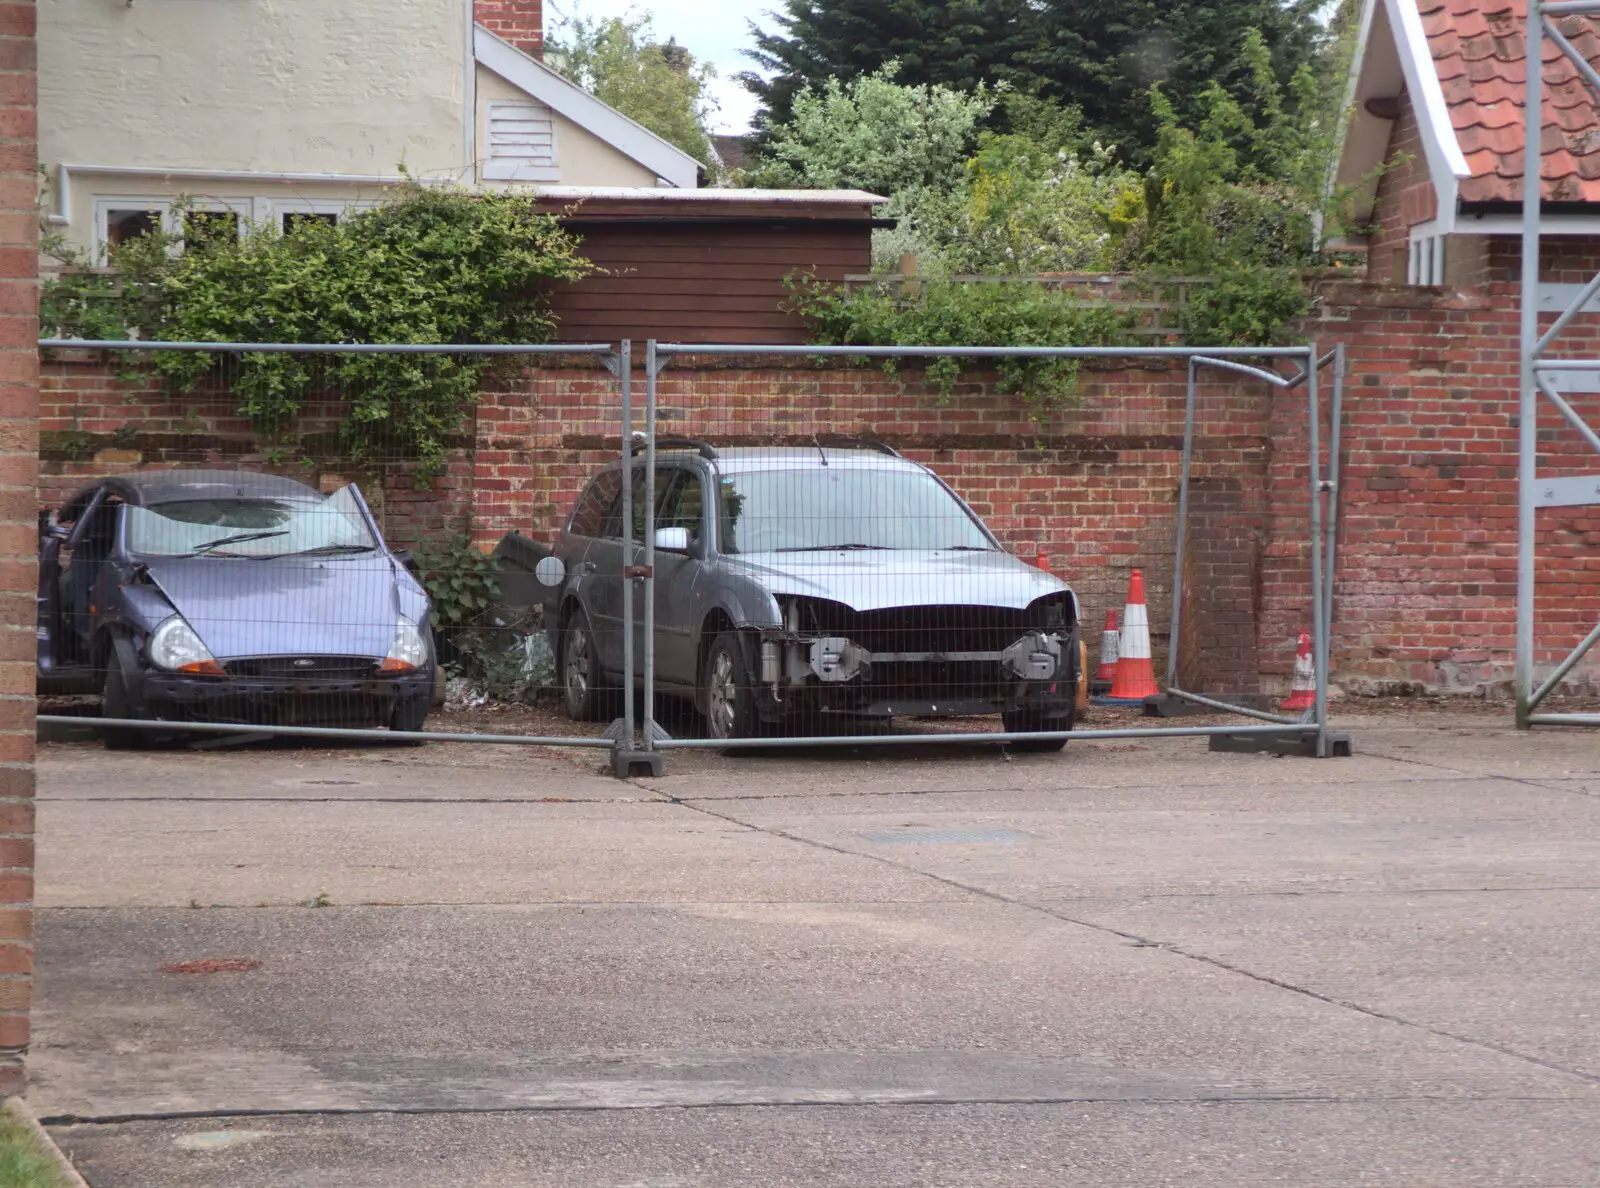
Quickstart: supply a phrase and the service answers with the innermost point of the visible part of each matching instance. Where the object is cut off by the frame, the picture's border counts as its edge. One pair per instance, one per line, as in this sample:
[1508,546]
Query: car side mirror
[674,540]
[404,557]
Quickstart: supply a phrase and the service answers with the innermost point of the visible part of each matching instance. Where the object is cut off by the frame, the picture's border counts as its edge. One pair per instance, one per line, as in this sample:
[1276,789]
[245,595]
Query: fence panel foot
[631,765]
[1166,705]
[1335,744]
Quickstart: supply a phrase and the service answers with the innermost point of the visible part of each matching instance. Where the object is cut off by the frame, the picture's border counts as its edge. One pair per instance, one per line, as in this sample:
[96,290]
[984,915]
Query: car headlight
[176,647]
[409,650]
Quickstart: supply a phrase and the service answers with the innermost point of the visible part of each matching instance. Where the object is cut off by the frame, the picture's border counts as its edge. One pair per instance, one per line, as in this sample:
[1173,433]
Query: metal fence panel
[837,554]
[289,539]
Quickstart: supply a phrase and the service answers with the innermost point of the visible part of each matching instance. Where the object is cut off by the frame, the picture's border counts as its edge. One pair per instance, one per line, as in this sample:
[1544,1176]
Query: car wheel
[584,690]
[1033,722]
[116,702]
[727,692]
[409,717]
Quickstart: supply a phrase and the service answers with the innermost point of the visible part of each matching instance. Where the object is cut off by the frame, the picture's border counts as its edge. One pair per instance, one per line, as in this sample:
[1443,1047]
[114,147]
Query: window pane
[123,225]
[596,505]
[296,219]
[815,509]
[682,508]
[202,227]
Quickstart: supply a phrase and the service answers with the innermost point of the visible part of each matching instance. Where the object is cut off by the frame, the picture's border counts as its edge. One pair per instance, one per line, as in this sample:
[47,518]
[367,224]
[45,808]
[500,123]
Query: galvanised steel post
[1183,529]
[627,546]
[1335,493]
[651,367]
[1527,428]
[1319,628]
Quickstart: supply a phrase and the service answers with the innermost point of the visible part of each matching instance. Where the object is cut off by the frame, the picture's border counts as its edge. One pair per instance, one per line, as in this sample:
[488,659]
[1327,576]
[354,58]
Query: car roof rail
[859,443]
[704,449]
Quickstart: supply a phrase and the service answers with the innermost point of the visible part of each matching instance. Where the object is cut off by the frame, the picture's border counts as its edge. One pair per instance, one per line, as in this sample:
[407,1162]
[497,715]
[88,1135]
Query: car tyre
[585,692]
[1024,721]
[409,717]
[728,692]
[117,702]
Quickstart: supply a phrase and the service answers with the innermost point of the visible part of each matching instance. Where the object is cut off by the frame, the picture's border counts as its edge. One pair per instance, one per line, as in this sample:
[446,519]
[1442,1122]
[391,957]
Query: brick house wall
[19,403]
[1405,198]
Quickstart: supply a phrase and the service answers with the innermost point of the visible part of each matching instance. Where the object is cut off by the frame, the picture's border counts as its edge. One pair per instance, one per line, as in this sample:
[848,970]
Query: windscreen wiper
[328,549]
[833,548]
[200,550]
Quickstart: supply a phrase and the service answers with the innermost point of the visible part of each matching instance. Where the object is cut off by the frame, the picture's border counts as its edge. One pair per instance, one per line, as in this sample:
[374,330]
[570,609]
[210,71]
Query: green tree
[955,43]
[1100,56]
[619,61]
[874,133]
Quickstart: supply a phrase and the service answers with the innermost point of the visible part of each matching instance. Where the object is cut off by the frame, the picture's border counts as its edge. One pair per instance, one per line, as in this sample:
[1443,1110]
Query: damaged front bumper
[1036,672]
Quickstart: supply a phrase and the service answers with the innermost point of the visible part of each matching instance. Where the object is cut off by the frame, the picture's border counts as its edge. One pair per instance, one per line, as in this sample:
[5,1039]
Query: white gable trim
[1447,164]
[671,164]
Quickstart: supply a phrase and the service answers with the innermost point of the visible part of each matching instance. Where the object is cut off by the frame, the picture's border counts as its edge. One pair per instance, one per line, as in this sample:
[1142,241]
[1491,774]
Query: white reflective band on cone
[1135,632]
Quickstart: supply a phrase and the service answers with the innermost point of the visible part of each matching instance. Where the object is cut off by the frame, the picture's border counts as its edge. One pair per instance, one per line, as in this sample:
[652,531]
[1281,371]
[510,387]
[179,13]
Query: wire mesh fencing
[828,550]
[330,541]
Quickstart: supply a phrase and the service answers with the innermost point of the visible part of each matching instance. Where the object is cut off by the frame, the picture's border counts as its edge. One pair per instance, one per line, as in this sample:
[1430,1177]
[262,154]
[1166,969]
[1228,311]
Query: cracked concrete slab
[1136,964]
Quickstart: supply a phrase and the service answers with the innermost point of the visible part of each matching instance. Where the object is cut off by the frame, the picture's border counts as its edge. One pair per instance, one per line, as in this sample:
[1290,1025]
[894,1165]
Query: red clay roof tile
[1480,55]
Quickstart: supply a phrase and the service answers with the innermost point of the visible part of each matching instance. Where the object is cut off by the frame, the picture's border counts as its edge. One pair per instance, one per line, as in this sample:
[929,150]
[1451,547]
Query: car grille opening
[923,628]
[303,668]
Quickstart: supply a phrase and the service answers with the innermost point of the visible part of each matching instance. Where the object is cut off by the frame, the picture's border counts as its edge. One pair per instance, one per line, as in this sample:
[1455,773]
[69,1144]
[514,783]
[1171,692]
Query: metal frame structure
[1537,369]
[1255,362]
[615,361]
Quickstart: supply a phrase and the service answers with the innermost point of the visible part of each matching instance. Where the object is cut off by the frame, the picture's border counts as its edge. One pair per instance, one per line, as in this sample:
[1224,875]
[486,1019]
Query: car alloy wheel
[722,694]
[577,665]
[584,688]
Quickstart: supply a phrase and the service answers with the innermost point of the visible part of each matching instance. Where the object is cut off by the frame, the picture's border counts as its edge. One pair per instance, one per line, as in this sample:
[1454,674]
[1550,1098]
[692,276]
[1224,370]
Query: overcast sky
[713,31]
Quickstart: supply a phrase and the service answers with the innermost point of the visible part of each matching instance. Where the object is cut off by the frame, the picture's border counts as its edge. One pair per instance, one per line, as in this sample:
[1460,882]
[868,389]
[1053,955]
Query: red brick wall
[19,406]
[520,22]
[1426,575]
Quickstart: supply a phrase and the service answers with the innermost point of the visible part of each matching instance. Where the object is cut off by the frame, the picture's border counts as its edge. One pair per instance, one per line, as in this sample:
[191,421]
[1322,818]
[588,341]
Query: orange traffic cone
[1303,692]
[1110,642]
[1136,675]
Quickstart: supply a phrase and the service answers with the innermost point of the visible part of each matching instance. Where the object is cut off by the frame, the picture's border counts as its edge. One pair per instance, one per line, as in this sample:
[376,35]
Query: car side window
[642,507]
[597,505]
[684,505]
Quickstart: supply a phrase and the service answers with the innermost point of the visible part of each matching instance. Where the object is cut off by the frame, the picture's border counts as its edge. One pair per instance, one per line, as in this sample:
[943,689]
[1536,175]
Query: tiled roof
[1480,54]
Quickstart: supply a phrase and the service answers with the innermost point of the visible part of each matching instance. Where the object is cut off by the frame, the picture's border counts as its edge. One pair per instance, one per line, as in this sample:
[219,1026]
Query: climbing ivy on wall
[427,265]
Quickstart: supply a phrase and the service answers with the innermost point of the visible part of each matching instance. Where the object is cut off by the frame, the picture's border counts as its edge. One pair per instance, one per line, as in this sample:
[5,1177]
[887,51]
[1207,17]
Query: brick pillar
[19,465]
[520,22]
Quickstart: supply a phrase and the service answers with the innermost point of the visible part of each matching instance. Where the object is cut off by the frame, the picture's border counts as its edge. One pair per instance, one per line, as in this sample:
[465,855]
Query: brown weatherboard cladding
[692,270]
[19,407]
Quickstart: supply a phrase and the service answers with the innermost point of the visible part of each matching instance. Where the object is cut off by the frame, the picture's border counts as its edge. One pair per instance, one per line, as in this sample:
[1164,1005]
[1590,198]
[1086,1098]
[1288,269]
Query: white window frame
[278,207]
[495,169]
[166,208]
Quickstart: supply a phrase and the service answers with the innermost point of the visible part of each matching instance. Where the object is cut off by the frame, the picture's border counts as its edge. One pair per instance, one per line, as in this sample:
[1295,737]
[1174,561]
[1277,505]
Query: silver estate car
[795,585]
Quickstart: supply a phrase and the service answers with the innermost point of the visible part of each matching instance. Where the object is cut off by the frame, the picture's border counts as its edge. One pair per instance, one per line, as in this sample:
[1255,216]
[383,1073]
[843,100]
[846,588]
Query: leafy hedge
[428,265]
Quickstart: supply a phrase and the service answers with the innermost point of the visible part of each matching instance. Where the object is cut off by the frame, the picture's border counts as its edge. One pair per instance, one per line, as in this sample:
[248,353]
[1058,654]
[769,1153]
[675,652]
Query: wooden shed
[705,265]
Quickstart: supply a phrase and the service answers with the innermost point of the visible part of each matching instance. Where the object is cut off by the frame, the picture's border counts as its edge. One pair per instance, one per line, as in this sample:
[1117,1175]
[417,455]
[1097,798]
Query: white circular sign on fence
[550,571]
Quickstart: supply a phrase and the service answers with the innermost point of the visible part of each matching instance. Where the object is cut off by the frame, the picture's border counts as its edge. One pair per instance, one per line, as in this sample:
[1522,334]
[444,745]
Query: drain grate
[946,837]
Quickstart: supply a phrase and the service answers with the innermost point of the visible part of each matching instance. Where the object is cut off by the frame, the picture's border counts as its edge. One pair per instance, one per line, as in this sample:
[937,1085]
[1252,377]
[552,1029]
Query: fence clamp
[638,573]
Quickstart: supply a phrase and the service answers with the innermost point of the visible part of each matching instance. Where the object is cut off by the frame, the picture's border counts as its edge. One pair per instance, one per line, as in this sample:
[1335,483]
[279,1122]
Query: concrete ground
[1134,964]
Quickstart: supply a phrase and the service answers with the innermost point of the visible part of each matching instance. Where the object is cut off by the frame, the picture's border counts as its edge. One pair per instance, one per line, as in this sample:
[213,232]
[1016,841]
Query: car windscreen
[799,510]
[251,527]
